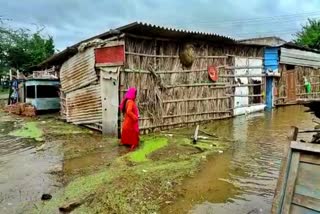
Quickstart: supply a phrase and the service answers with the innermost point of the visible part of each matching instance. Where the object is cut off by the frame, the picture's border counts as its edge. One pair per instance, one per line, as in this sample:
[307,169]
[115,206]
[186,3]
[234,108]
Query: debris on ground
[70,206]
[46,197]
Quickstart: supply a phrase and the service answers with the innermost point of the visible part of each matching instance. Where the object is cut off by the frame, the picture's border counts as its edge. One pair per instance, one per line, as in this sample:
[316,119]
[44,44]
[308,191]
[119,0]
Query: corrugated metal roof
[295,46]
[299,57]
[147,29]
[267,41]
[139,28]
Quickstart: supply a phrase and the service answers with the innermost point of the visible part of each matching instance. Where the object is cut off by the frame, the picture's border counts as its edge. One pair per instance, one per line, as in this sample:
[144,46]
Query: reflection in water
[243,179]
[26,173]
[23,176]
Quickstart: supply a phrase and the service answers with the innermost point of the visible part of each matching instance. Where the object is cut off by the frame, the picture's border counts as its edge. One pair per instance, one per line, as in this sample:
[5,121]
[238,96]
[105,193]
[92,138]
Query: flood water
[22,169]
[27,172]
[242,179]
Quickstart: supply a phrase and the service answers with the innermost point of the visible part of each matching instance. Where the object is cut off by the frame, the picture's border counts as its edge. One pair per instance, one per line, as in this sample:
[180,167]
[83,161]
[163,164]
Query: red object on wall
[213,73]
[112,55]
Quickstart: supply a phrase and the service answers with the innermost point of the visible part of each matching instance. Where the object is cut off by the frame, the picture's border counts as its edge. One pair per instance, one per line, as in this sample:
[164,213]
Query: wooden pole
[195,137]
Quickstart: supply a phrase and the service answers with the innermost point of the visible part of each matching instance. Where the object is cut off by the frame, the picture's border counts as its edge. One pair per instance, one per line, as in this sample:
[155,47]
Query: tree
[309,36]
[21,48]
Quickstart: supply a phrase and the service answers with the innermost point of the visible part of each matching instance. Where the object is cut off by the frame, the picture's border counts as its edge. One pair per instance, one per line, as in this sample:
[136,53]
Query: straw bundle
[187,55]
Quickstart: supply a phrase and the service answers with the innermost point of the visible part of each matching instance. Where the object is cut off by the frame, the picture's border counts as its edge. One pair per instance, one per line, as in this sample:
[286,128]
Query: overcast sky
[70,21]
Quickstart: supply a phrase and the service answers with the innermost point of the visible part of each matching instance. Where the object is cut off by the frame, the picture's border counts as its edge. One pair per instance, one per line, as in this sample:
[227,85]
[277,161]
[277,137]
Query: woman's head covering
[130,95]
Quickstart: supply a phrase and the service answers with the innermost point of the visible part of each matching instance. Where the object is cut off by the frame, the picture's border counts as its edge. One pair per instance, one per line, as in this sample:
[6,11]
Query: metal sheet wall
[78,71]
[84,105]
[271,63]
[271,59]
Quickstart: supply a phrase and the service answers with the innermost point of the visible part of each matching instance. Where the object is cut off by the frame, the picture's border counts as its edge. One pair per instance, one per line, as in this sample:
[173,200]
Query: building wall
[170,94]
[80,89]
[294,66]
[290,87]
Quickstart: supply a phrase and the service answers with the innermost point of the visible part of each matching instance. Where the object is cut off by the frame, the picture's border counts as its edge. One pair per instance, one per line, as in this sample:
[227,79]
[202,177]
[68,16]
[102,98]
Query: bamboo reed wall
[312,74]
[281,86]
[170,95]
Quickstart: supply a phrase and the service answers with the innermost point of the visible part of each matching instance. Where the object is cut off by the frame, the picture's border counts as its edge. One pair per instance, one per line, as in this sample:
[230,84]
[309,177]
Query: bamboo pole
[171,56]
[195,137]
[195,99]
[186,115]
[185,122]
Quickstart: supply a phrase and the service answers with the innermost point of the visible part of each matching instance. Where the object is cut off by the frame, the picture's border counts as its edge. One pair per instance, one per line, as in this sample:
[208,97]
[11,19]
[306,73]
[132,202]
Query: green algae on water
[150,145]
[29,130]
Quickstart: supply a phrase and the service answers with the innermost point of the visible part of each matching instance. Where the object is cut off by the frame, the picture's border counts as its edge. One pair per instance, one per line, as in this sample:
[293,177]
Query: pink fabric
[130,95]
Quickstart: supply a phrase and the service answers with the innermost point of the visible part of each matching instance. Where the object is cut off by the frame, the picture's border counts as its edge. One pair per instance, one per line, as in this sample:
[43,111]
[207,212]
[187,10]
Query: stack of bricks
[21,109]
[29,111]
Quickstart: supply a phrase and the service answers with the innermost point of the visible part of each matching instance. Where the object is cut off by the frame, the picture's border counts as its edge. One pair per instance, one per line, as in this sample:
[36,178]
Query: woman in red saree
[130,126]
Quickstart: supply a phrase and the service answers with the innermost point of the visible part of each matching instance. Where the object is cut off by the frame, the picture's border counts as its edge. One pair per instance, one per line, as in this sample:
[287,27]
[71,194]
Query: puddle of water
[243,179]
[27,172]
[87,154]
[23,177]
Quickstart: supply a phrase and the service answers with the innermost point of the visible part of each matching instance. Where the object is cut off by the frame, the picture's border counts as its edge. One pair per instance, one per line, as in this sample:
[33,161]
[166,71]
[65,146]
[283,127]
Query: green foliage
[29,130]
[149,146]
[22,48]
[309,36]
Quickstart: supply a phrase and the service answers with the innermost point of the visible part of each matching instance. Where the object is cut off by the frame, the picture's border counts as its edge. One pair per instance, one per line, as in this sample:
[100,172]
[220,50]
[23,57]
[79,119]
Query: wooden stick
[312,93]
[172,56]
[196,99]
[185,122]
[168,72]
[197,85]
[246,85]
[249,95]
[186,115]
[195,137]
[152,55]
[310,131]
[206,133]
[294,135]
[249,75]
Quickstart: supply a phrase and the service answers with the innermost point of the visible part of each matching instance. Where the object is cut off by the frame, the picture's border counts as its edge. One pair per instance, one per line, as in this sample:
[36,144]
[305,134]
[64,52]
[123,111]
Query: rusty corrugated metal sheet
[299,57]
[84,105]
[146,29]
[78,71]
[139,28]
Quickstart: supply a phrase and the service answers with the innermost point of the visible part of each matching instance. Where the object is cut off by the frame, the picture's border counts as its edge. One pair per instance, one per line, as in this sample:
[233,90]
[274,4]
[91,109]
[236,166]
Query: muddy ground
[233,170]
[92,173]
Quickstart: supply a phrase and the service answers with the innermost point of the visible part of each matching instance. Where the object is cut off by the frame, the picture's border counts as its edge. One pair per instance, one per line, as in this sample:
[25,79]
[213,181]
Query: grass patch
[4,92]
[126,187]
[29,130]
[150,145]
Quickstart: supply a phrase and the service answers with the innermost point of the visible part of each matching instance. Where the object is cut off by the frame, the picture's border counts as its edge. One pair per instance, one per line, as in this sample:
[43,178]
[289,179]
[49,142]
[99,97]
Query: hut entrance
[291,86]
[257,91]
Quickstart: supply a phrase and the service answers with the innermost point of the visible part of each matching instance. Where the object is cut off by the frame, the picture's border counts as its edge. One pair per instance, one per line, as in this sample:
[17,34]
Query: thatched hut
[182,77]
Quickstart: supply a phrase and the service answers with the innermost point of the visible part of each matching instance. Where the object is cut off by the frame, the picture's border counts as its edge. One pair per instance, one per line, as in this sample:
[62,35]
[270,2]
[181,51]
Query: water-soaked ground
[29,168]
[243,179]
